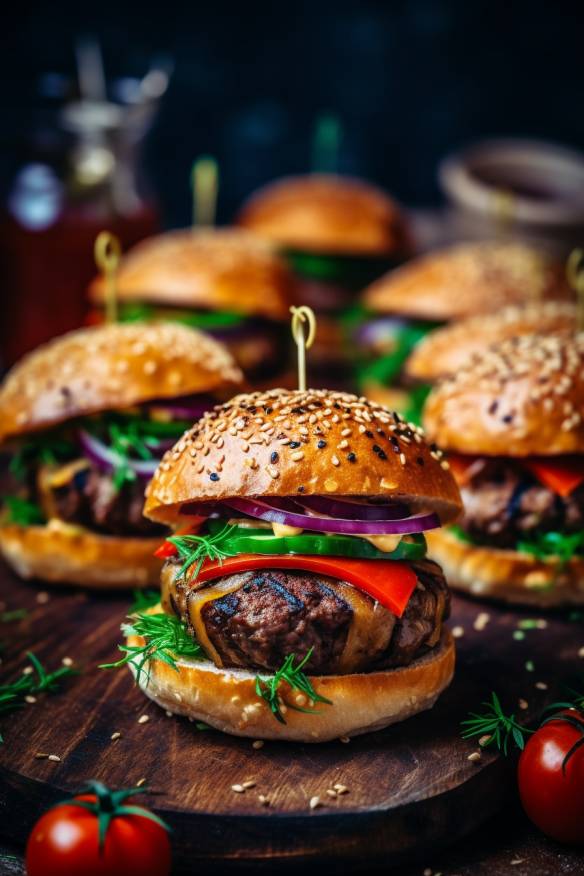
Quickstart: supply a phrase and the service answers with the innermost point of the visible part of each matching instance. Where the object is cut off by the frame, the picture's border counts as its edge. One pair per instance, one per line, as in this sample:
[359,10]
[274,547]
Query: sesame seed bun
[110,367]
[267,444]
[217,269]
[521,397]
[466,279]
[65,554]
[327,214]
[507,575]
[227,700]
[444,351]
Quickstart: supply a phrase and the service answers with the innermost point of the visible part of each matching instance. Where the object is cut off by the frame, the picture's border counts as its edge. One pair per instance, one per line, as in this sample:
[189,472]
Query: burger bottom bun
[66,554]
[226,698]
[506,575]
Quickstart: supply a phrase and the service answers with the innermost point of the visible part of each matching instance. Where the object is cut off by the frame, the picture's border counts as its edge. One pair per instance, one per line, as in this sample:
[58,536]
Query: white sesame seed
[67,661]
[42,598]
[238,789]
[315,802]
[248,784]
[484,740]
[340,789]
[265,801]
[30,699]
[331,792]
[41,755]
[458,632]
[344,739]
[474,757]
[143,719]
[541,685]
[257,744]
[481,621]
[115,736]
[54,758]
[523,704]
[140,782]
[581,651]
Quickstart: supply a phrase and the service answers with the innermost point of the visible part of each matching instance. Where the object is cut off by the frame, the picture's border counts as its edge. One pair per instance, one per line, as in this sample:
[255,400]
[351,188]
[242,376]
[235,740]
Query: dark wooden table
[493,654]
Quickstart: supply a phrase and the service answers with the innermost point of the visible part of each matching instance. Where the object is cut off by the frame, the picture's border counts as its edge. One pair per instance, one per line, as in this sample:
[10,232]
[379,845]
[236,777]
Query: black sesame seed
[382,454]
[376,448]
[300,489]
[294,444]
[321,444]
[337,406]
[351,457]
[508,418]
[368,433]
[268,409]
[274,457]
[433,447]
[420,461]
[493,407]
[214,476]
[381,432]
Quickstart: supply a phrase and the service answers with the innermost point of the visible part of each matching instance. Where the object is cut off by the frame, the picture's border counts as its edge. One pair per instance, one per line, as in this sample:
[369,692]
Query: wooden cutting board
[410,788]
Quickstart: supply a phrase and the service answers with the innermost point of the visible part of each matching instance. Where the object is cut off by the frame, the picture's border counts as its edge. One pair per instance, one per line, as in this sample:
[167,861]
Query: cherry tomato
[65,842]
[552,788]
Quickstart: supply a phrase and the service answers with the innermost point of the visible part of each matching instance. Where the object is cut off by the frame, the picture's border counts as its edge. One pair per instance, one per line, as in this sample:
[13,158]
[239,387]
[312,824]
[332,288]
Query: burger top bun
[110,366]
[521,397]
[466,279]
[444,351]
[290,443]
[212,269]
[326,213]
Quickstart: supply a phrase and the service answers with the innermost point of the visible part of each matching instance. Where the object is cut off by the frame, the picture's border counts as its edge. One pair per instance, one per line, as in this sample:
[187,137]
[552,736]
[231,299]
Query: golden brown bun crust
[507,575]
[226,698]
[244,444]
[467,279]
[110,366]
[219,269]
[69,555]
[444,351]
[327,214]
[522,397]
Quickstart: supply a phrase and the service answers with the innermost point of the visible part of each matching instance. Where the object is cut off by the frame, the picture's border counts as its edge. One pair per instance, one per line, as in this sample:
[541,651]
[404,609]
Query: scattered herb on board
[12,695]
[268,688]
[165,638]
[15,614]
[494,723]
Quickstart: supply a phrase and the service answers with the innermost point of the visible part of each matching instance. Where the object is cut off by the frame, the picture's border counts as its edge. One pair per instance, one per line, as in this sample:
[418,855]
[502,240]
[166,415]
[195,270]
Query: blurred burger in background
[86,419]
[226,282]
[440,287]
[338,234]
[512,423]
[442,352]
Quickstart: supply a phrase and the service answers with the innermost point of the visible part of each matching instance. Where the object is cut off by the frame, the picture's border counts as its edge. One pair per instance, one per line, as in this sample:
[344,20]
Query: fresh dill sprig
[49,448]
[165,638]
[22,512]
[553,544]
[268,688]
[143,600]
[495,724]
[12,695]
[195,549]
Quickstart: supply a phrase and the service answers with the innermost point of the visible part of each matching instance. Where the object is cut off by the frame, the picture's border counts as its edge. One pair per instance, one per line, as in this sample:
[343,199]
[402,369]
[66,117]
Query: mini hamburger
[512,423]
[302,605]
[338,234]
[225,282]
[86,419]
[442,352]
[438,288]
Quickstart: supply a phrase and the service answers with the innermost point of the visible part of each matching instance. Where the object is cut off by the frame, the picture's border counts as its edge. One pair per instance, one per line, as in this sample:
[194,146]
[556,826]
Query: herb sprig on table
[32,681]
[268,688]
[494,723]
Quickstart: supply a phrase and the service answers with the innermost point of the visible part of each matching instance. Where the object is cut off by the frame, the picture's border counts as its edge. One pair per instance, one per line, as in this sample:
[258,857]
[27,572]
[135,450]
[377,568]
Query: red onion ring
[264,509]
[350,509]
[107,459]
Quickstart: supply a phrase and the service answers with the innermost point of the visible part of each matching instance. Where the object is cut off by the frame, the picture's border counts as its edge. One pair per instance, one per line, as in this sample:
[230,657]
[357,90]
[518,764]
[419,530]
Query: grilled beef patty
[90,499]
[503,503]
[258,618]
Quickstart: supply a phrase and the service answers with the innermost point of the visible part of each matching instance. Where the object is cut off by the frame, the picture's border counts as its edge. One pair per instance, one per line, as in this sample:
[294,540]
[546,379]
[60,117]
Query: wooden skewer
[107,252]
[301,316]
[575,277]
[205,185]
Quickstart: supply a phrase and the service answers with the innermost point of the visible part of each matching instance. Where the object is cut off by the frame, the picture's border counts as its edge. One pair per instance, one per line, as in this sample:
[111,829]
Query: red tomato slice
[167,549]
[561,474]
[390,582]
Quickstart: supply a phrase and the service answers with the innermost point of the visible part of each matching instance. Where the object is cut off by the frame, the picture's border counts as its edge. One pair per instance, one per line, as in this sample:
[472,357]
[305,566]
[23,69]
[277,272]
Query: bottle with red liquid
[58,202]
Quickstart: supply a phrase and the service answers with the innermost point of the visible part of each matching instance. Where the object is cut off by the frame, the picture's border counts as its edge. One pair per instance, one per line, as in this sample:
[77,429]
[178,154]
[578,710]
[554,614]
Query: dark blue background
[411,81]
